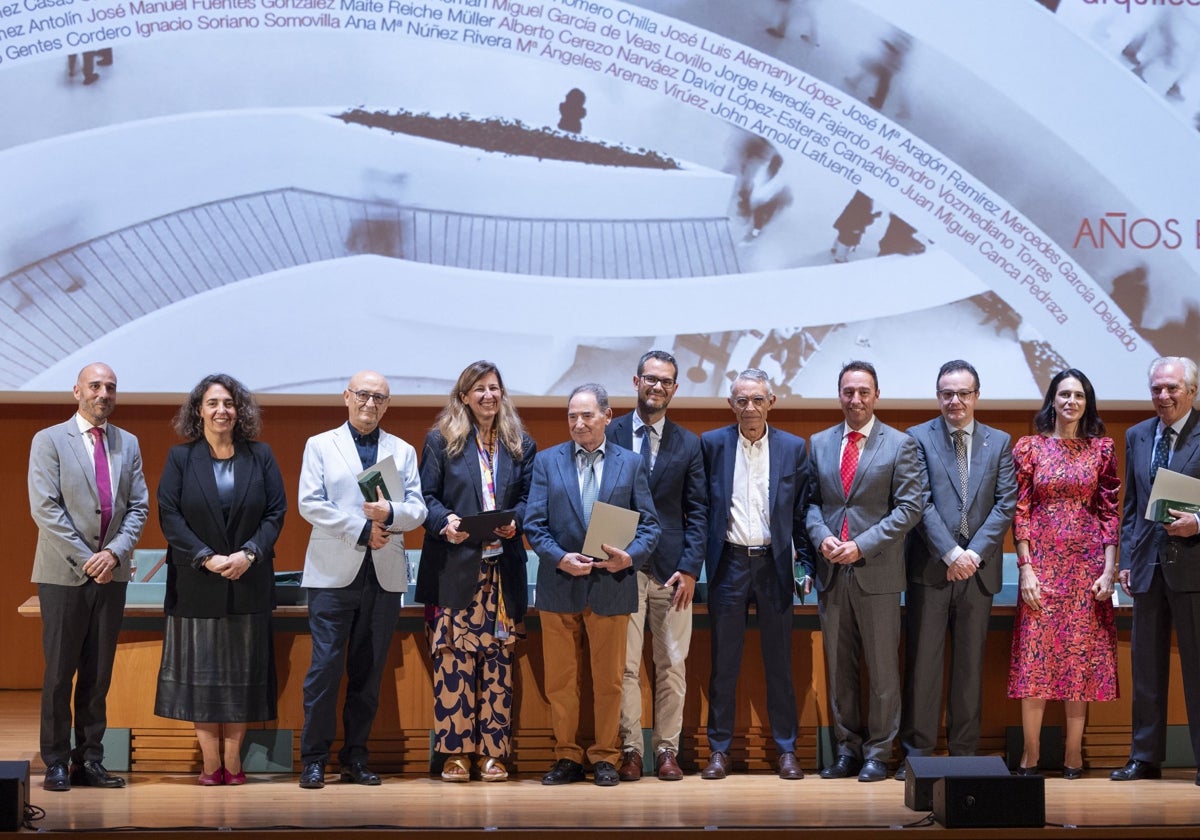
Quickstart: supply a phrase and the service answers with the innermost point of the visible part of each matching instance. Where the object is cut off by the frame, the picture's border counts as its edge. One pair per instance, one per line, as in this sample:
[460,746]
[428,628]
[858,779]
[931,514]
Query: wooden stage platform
[744,805]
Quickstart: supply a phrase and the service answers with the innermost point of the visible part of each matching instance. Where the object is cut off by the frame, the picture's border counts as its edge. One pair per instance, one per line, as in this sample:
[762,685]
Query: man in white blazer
[81,567]
[355,571]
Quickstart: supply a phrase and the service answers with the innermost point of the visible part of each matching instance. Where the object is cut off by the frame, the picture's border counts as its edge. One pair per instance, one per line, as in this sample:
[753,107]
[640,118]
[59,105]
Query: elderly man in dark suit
[1160,567]
[88,497]
[955,565]
[666,583]
[758,486]
[869,492]
[578,594]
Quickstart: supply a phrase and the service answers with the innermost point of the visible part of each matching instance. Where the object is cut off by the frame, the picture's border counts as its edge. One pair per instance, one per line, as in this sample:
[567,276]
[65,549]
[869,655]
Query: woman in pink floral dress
[1064,644]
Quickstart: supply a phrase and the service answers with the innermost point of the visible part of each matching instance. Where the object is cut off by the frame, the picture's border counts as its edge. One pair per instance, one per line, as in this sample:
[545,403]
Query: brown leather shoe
[667,767]
[717,767]
[631,766]
[789,767]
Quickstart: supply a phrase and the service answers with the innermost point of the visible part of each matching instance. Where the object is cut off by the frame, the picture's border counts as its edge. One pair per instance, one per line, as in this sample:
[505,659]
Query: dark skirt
[217,670]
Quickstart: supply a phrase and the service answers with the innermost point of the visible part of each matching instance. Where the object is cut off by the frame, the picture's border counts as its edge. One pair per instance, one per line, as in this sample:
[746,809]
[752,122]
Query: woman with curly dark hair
[221,505]
[1064,644]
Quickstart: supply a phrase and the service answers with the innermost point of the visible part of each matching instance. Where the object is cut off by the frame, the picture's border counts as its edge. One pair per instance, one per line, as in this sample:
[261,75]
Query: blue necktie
[1162,452]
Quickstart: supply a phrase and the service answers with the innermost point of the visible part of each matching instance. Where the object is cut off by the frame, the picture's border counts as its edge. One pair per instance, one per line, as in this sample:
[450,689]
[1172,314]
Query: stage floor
[740,805]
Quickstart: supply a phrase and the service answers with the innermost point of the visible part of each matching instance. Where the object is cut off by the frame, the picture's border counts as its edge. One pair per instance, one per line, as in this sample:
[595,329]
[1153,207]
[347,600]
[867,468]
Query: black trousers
[80,625]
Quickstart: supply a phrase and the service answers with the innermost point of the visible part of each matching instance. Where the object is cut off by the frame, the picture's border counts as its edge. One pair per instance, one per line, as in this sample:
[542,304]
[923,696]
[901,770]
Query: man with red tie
[868,492]
[88,497]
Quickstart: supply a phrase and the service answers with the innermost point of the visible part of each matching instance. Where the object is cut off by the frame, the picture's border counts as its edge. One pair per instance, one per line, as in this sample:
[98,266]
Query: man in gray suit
[355,570]
[955,565]
[869,491]
[89,500]
[578,594]
[1160,567]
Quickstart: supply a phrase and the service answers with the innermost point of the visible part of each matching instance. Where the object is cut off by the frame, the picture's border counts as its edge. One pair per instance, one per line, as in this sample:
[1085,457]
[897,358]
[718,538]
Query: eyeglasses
[963,396]
[743,402]
[666,382]
[365,397]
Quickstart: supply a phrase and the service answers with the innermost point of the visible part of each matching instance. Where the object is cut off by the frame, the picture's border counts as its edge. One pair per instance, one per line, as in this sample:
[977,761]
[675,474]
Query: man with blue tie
[869,491]
[88,497]
[355,570]
[666,583]
[955,562]
[578,594]
[1160,567]
[758,488]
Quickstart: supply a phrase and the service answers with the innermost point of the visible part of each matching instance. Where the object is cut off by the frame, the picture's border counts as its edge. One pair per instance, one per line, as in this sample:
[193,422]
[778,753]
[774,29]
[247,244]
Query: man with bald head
[89,500]
[355,571]
[1160,567]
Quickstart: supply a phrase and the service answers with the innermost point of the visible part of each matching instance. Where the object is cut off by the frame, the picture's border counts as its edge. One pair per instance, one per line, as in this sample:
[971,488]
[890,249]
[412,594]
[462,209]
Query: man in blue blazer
[87,529]
[955,565]
[1160,567]
[667,582]
[758,488]
[577,594]
[355,570]
[869,492]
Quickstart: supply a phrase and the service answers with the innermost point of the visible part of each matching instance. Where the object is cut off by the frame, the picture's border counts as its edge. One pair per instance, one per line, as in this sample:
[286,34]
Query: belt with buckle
[749,550]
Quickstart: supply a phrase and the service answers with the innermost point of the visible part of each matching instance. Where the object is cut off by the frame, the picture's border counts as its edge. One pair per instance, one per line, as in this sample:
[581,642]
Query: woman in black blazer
[221,504]
[477,458]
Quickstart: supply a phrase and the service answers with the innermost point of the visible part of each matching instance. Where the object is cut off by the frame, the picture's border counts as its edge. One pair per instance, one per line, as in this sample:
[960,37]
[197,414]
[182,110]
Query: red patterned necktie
[103,481]
[849,465]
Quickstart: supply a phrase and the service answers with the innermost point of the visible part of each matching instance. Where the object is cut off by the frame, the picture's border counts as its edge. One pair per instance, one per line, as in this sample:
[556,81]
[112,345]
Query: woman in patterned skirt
[477,458]
[1064,644]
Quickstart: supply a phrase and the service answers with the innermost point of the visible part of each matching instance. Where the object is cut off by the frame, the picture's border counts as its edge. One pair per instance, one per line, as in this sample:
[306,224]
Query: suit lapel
[112,440]
[613,464]
[870,450]
[568,478]
[1185,449]
[200,466]
[349,452]
[943,450]
[980,452]
[87,465]
[502,468]
[774,467]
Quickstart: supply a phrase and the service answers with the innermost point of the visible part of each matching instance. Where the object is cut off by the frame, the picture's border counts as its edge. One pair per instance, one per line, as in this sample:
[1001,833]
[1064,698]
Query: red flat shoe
[217,777]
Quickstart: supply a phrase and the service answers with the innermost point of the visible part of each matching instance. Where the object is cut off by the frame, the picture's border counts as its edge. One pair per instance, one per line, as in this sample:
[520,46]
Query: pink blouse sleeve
[1108,487]
[1025,459]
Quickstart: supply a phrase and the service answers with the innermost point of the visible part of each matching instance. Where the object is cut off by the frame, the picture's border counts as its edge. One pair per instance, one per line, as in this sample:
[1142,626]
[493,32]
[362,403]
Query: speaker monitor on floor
[990,801]
[14,794]
[921,771]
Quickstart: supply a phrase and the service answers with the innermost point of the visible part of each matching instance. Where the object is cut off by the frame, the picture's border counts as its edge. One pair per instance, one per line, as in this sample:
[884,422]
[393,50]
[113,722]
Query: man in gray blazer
[355,570]
[1160,567]
[869,491]
[955,565]
[578,594]
[88,497]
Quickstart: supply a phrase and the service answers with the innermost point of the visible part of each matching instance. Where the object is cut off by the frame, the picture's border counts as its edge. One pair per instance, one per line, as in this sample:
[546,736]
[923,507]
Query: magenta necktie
[103,481]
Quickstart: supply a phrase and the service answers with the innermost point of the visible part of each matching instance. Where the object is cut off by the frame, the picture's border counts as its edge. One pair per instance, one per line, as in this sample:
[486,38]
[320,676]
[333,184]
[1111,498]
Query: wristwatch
[250,555]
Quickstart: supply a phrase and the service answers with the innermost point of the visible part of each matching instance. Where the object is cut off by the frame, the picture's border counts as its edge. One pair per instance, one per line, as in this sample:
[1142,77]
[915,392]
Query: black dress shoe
[789,767]
[901,773]
[1027,771]
[93,774]
[565,772]
[358,773]
[845,767]
[872,771]
[604,774]
[717,767]
[56,777]
[312,777]
[1135,769]
[1072,772]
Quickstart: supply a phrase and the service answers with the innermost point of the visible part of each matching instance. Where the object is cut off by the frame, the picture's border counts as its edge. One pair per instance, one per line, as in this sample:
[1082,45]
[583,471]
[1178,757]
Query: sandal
[492,770]
[456,769]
